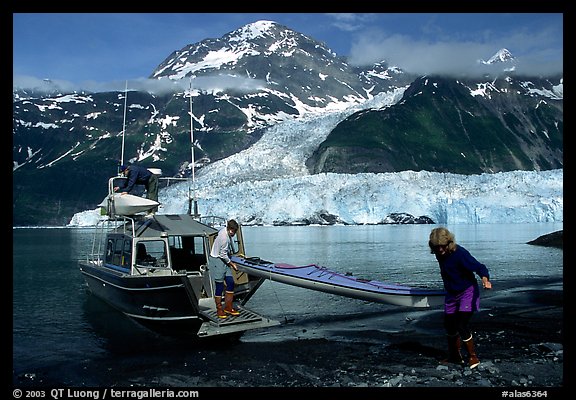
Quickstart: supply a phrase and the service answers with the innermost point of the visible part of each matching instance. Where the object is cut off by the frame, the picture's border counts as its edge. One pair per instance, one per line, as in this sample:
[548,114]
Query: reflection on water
[113,330]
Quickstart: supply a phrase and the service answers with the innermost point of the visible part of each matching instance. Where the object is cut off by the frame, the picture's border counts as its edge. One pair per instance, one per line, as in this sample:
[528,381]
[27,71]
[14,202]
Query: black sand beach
[519,340]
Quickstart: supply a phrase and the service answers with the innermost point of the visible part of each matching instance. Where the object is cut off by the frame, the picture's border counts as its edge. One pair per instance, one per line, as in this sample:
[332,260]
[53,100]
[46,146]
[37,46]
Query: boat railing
[170,179]
[111,209]
[112,183]
[105,226]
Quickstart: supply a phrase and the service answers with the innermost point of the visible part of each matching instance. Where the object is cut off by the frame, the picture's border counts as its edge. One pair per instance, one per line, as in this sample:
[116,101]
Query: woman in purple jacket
[457,268]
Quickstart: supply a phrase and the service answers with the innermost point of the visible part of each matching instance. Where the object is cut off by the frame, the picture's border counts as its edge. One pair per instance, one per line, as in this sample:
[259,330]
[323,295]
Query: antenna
[192,139]
[193,199]
[124,123]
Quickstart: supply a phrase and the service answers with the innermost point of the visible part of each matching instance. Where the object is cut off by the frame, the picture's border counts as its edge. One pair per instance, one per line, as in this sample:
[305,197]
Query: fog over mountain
[451,58]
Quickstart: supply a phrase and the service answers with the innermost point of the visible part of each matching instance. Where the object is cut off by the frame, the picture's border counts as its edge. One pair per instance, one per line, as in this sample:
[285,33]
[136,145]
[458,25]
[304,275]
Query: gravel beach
[518,335]
[518,338]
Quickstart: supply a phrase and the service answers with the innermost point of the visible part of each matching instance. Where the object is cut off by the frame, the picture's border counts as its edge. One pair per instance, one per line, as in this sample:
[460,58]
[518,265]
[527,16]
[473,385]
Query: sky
[103,51]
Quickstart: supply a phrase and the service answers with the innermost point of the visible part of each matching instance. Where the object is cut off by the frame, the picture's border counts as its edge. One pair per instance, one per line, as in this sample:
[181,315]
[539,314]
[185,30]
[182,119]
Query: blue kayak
[322,279]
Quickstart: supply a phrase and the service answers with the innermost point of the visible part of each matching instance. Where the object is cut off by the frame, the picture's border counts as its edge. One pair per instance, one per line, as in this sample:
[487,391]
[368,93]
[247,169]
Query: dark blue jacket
[458,269]
[136,176]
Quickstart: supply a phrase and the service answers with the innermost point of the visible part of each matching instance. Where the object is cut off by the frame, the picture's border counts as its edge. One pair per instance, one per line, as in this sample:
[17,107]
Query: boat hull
[166,304]
[324,280]
[161,298]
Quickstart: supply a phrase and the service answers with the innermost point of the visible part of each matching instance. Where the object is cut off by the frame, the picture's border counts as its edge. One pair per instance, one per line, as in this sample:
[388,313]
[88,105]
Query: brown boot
[473,362]
[228,299]
[219,311]
[454,345]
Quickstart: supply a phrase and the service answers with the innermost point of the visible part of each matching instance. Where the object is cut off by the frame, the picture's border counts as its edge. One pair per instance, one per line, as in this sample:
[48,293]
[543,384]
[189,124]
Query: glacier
[269,184]
[505,197]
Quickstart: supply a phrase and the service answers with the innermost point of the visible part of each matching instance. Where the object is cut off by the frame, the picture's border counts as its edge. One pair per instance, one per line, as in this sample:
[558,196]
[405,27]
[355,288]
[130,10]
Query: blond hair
[442,237]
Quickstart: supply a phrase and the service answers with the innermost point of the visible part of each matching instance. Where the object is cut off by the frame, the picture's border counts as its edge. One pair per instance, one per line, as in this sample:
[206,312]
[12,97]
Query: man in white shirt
[222,273]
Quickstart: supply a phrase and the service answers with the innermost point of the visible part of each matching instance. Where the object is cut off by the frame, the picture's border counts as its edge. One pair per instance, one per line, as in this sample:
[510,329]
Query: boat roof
[172,225]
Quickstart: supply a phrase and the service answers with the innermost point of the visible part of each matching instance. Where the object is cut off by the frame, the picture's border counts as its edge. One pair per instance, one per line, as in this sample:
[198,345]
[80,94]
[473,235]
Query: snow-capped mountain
[281,65]
[501,56]
[441,124]
[504,58]
[270,103]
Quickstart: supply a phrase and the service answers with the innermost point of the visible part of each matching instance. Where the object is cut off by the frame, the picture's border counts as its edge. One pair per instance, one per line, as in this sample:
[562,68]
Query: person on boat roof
[223,271]
[139,176]
[458,268]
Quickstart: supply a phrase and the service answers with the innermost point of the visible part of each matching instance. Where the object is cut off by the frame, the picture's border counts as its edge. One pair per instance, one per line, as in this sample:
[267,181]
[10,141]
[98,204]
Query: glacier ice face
[507,197]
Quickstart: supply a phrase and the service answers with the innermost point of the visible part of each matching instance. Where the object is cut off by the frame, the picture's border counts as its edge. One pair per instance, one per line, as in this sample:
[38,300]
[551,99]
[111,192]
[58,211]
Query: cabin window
[188,253]
[118,248]
[127,253]
[119,251]
[151,253]
[109,251]
[194,244]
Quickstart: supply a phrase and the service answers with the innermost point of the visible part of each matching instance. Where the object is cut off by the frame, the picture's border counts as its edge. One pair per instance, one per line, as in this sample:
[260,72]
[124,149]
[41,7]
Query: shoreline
[518,334]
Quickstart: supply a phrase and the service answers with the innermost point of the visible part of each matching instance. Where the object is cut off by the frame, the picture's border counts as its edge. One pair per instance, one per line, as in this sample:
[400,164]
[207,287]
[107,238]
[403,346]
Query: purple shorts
[465,301]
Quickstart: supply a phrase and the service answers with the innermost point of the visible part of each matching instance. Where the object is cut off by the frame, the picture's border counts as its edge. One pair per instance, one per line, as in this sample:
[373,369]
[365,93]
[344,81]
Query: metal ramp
[245,316]
[247,320]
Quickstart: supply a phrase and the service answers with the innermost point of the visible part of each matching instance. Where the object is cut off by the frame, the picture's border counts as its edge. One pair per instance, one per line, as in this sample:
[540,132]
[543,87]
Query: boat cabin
[167,245]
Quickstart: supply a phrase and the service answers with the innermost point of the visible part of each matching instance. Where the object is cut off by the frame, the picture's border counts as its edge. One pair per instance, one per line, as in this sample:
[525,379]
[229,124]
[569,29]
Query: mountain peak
[254,30]
[260,38]
[501,56]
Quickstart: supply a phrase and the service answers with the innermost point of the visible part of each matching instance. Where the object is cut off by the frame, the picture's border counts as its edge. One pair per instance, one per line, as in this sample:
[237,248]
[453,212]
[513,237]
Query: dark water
[61,334]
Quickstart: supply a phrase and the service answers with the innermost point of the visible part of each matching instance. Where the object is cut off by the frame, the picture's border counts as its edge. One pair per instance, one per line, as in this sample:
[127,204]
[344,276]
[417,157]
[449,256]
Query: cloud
[213,83]
[26,82]
[41,85]
[350,22]
[533,53]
